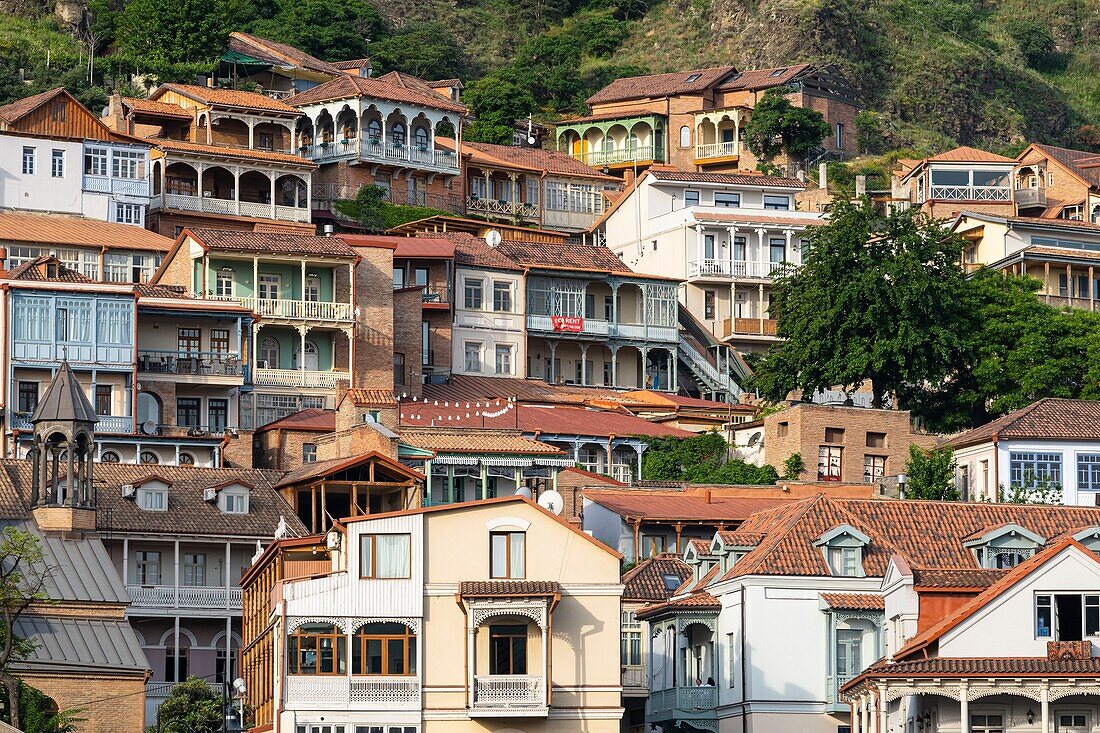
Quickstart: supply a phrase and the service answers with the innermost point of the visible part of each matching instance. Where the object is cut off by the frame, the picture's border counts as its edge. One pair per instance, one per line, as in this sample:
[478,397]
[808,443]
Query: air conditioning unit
[209,494]
[128,491]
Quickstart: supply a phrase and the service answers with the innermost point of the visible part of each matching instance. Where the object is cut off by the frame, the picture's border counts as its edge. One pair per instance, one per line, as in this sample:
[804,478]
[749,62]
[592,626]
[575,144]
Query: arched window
[317,649]
[685,137]
[186,459]
[374,131]
[311,357]
[149,458]
[398,134]
[420,137]
[109,457]
[384,648]
[269,353]
[148,408]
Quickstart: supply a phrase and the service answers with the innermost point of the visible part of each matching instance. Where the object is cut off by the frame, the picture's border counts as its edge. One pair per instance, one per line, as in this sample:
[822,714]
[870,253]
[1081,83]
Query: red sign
[568,324]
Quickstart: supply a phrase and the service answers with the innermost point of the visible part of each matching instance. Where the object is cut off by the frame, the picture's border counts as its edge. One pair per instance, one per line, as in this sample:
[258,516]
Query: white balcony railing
[971,193]
[623,155]
[376,150]
[686,699]
[507,208]
[833,685]
[213,205]
[509,691]
[310,310]
[645,333]
[122,186]
[717,150]
[587,326]
[200,596]
[709,372]
[298,378]
[354,693]
[734,268]
[105,424]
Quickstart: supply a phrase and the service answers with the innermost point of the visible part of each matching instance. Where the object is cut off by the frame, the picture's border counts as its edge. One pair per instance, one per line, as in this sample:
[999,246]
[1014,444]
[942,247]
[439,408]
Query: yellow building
[480,616]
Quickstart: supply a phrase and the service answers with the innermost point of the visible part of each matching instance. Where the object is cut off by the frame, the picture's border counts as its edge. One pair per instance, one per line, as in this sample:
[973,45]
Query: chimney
[861,185]
[628,177]
[823,176]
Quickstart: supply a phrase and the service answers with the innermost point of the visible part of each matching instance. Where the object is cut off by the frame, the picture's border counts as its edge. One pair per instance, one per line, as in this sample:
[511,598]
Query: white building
[790,607]
[1054,443]
[726,235]
[1019,656]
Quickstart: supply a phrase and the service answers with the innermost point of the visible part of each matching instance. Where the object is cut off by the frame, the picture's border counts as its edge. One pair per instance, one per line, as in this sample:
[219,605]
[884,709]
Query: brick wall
[439,338]
[355,441]
[237,453]
[1061,186]
[282,449]
[801,428]
[348,179]
[106,704]
[374,330]
[178,270]
[407,341]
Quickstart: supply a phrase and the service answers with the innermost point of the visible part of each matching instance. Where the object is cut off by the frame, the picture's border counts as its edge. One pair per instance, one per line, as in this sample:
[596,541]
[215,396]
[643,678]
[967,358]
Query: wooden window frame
[508,555]
[495,632]
[360,639]
[374,556]
[293,660]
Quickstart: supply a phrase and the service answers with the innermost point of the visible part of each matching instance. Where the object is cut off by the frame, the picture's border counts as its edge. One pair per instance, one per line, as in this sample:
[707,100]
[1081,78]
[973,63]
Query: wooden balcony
[231,207]
[299,310]
[511,209]
[711,152]
[377,151]
[748,327]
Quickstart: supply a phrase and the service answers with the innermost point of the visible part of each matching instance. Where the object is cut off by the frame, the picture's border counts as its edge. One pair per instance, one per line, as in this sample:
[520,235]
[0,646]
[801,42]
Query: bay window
[317,649]
[383,648]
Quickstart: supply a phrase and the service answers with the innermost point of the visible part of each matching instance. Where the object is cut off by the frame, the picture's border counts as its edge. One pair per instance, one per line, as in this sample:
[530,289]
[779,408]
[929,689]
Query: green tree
[365,208]
[39,713]
[193,707]
[23,576]
[161,32]
[1035,42]
[496,104]
[703,459]
[793,467]
[877,299]
[427,50]
[331,31]
[777,125]
[931,474]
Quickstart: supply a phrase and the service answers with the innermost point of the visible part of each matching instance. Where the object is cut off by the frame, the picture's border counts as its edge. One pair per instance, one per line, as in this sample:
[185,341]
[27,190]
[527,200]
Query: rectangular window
[507,555]
[188,341]
[1044,616]
[219,341]
[691,198]
[425,350]
[1027,469]
[839,136]
[1088,471]
[265,141]
[175,664]
[874,468]
[309,452]
[828,463]
[849,653]
[473,356]
[28,160]
[57,112]
[708,246]
[652,545]
[727,199]
[502,296]
[782,203]
[234,503]
[876,440]
[147,567]
[313,289]
[128,214]
[103,399]
[194,569]
[472,290]
[188,410]
[152,500]
[398,278]
[95,161]
[128,164]
[28,396]
[508,650]
[223,284]
[708,305]
[844,561]
[630,644]
[217,410]
[57,164]
[987,724]
[385,556]
[270,287]
[1092,615]
[504,359]
[398,369]
[777,250]
[783,429]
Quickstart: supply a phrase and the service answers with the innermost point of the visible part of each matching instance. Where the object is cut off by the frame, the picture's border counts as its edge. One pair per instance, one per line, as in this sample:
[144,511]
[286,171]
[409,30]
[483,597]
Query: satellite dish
[149,427]
[754,439]
[524,491]
[551,501]
[492,237]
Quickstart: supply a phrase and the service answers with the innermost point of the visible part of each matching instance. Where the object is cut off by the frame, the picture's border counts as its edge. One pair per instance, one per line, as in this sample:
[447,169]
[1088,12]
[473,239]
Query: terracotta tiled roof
[661,85]
[586,257]
[966,154]
[348,86]
[946,578]
[1051,417]
[796,220]
[469,388]
[598,478]
[425,248]
[470,251]
[1061,223]
[680,505]
[371,397]
[1067,252]
[35,270]
[702,547]
[986,667]
[486,588]
[646,580]
[685,401]
[445,84]
[67,230]
[12,111]
[149,290]
[728,179]
[551,420]
[377,241]
[272,243]
[228,98]
[182,146]
[742,539]
[476,441]
[854,601]
[1072,159]
[696,602]
[351,64]
[187,514]
[762,78]
[603,116]
[160,109]
[537,159]
[273,51]
[312,419]
[895,528]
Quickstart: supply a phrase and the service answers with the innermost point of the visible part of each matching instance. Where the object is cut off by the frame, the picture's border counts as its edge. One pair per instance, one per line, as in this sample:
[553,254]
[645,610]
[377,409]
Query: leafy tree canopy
[428,50]
[703,459]
[23,575]
[777,125]
[159,32]
[331,31]
[370,210]
[497,104]
[193,707]
[931,474]
[878,299]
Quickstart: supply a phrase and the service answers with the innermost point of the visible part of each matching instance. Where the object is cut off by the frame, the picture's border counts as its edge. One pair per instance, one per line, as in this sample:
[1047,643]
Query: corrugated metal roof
[76,569]
[81,644]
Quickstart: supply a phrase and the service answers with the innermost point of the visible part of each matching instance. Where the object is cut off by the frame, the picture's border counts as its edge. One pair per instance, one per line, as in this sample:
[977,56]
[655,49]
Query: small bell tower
[62,496]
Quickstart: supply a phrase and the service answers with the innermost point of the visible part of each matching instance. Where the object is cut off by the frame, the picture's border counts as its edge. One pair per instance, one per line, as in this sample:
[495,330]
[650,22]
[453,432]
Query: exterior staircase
[714,368]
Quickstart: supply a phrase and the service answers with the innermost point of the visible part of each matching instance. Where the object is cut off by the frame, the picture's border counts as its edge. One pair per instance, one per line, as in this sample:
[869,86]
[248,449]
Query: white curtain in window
[499,556]
[393,555]
[517,554]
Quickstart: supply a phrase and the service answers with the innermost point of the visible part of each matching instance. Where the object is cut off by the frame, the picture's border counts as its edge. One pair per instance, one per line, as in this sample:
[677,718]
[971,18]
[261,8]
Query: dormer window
[153,498]
[233,502]
[1004,546]
[843,548]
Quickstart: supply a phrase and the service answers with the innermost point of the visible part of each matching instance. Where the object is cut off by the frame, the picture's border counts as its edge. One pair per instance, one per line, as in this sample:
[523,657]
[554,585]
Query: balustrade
[190,596]
[500,690]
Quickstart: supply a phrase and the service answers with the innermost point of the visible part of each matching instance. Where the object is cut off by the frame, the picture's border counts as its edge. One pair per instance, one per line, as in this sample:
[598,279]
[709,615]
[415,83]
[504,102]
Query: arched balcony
[718,135]
[623,142]
[233,190]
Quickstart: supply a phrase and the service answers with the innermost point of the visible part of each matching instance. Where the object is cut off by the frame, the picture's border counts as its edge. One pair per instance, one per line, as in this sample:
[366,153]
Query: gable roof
[442,440]
[225,151]
[61,230]
[1053,418]
[535,159]
[348,86]
[278,53]
[32,270]
[13,111]
[564,256]
[472,251]
[331,466]
[311,419]
[713,506]
[854,601]
[661,85]
[967,154]
[954,578]
[159,109]
[645,581]
[270,242]
[665,173]
[756,79]
[227,98]
[1072,160]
